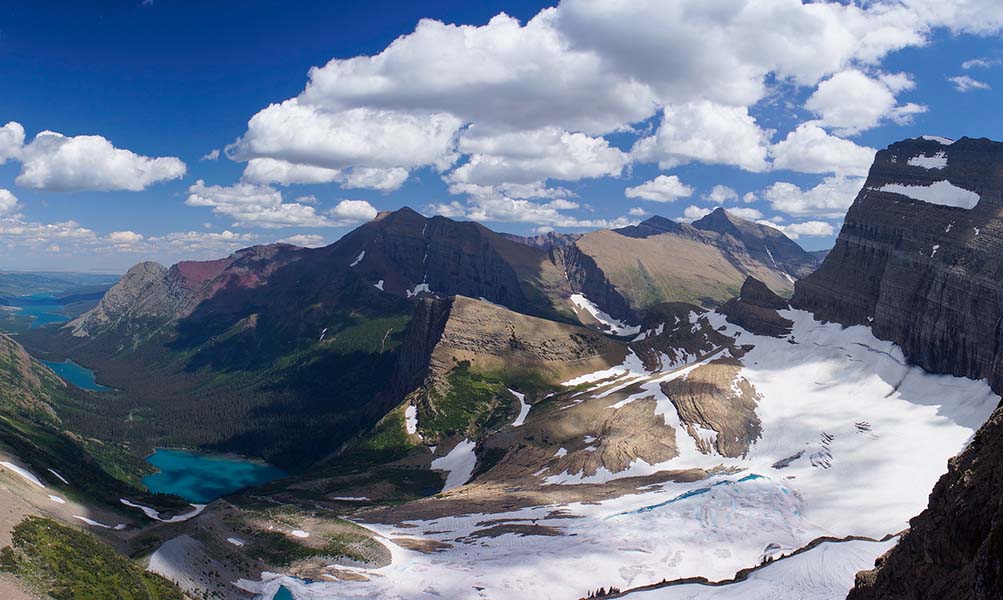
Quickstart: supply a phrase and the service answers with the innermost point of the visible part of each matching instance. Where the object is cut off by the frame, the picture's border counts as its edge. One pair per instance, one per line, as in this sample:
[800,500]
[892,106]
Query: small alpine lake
[202,478]
[71,372]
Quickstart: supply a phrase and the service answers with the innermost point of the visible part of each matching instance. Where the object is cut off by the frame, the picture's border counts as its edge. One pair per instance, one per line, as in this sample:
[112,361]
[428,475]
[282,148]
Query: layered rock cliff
[920,259]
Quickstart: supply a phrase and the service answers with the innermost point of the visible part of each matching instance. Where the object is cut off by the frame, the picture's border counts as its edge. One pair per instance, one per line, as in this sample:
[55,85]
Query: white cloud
[747,213]
[851,102]
[306,240]
[8,202]
[124,238]
[708,133]
[637,211]
[270,170]
[11,140]
[56,162]
[980,63]
[749,197]
[527,157]
[664,188]
[211,155]
[830,198]
[492,204]
[964,83]
[349,212]
[720,194]
[809,149]
[452,209]
[253,205]
[692,213]
[368,137]
[806,228]
[589,68]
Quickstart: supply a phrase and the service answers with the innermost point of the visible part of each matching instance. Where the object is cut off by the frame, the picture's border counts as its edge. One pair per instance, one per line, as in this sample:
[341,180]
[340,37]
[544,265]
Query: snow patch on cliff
[941,192]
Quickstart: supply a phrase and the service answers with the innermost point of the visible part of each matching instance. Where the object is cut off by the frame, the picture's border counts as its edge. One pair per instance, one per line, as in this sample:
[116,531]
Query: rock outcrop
[755,310]
[920,259]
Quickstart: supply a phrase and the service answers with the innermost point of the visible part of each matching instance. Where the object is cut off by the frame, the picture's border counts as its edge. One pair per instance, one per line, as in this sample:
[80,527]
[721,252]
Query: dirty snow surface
[853,440]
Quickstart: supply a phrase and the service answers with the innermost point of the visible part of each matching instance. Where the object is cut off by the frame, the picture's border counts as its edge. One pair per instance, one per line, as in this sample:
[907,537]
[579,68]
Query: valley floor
[852,441]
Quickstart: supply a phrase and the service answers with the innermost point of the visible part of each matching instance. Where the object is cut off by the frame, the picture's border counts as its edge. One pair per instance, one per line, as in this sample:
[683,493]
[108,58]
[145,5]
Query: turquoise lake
[82,377]
[201,478]
[283,594]
[43,308]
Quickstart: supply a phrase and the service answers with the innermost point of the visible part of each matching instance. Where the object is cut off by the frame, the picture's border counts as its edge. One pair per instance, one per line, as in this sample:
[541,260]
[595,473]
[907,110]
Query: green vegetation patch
[279,550]
[68,564]
[472,401]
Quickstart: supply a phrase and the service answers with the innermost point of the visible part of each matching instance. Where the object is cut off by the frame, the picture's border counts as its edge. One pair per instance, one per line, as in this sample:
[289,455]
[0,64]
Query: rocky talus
[920,259]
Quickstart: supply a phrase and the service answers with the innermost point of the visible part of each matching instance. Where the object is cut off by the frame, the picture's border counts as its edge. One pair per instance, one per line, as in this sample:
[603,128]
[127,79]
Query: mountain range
[464,413]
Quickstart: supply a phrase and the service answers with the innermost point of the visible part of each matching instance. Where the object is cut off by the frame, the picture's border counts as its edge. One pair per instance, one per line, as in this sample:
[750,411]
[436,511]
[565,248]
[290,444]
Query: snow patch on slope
[614,326]
[458,464]
[155,514]
[523,408]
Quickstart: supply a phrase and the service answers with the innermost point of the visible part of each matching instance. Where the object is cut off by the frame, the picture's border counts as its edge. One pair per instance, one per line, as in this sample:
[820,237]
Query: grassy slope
[68,564]
[670,268]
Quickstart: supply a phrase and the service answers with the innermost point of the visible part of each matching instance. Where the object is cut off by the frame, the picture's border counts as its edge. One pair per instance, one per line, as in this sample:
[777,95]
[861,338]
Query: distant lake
[283,594]
[202,478]
[82,377]
[43,309]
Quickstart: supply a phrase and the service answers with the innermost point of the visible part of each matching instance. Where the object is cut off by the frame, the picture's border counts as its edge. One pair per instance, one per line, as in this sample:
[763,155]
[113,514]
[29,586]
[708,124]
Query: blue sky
[588,114]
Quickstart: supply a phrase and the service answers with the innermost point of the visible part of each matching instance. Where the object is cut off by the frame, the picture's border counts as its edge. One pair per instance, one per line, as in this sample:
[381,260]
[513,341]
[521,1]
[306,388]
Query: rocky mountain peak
[655,225]
[755,292]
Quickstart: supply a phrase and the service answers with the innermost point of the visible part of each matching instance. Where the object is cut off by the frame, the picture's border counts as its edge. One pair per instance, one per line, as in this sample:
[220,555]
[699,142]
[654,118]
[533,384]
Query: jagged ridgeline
[289,353]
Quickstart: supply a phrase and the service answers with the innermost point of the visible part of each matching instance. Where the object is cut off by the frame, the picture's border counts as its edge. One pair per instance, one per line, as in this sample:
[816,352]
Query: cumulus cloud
[211,155]
[750,214]
[664,188]
[124,238]
[720,194]
[11,140]
[708,133]
[851,102]
[310,136]
[492,204]
[306,240]
[588,68]
[810,149]
[964,83]
[8,202]
[528,157]
[352,211]
[254,205]
[830,198]
[806,228]
[53,161]
[692,213]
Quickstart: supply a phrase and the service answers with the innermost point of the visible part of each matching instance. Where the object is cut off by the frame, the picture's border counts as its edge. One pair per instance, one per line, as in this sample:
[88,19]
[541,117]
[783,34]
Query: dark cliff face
[924,275]
[925,272]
